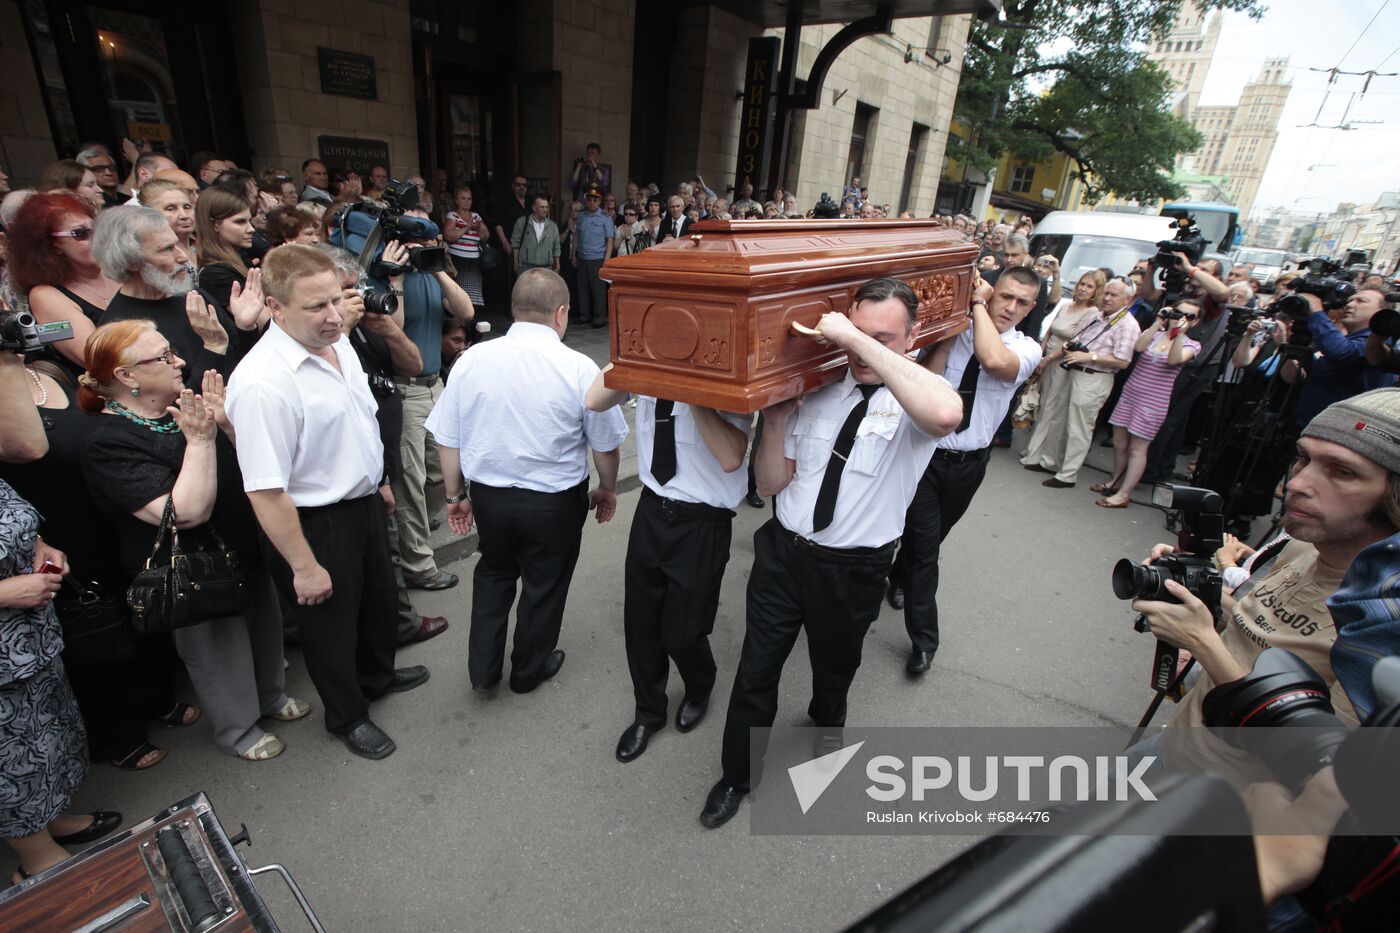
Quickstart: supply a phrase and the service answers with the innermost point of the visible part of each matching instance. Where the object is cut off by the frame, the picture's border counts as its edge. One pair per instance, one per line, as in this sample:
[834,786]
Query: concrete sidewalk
[510,812]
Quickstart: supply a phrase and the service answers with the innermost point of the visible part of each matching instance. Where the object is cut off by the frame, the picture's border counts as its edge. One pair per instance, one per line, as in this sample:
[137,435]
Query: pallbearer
[847,461]
[691,463]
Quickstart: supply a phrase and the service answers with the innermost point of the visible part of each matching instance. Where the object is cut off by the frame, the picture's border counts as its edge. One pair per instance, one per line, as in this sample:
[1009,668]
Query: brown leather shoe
[430,627]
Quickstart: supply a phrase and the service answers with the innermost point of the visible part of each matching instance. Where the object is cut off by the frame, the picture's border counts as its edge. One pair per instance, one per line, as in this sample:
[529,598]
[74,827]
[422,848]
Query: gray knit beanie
[1368,424]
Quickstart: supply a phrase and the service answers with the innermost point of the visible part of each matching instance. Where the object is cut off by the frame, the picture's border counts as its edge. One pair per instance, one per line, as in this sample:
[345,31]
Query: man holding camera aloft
[1339,369]
[987,362]
[1343,494]
[427,296]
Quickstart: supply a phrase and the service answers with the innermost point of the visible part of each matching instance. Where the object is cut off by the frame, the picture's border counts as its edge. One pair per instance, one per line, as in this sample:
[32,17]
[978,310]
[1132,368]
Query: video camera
[1324,279]
[1386,322]
[826,208]
[1188,240]
[1202,533]
[365,228]
[20,333]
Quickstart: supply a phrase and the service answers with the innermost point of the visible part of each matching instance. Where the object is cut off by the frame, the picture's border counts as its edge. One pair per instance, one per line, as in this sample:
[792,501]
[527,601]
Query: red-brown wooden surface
[706,319]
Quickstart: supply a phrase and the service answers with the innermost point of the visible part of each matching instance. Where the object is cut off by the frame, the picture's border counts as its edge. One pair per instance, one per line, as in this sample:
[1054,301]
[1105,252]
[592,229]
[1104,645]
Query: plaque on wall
[708,318]
[347,154]
[347,74]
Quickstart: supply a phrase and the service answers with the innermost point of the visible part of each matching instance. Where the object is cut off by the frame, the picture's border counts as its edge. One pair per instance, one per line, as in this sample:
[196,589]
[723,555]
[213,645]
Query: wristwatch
[460,497]
[1093,357]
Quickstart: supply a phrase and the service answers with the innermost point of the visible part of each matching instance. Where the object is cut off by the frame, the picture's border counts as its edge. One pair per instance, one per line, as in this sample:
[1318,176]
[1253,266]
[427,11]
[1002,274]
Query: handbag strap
[167,524]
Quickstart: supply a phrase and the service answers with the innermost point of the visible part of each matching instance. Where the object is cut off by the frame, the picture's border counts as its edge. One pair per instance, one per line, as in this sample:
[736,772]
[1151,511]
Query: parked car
[1268,263]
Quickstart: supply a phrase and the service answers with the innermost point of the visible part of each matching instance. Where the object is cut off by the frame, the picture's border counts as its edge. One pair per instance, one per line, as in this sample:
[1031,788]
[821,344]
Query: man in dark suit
[675,223]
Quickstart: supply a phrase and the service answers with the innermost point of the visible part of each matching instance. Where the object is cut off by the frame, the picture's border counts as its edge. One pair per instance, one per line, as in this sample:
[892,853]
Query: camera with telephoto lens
[1386,322]
[1325,280]
[20,333]
[377,298]
[1192,565]
[1188,241]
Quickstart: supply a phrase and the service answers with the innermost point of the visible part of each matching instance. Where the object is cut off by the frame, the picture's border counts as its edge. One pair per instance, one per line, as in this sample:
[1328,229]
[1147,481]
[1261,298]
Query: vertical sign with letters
[755,117]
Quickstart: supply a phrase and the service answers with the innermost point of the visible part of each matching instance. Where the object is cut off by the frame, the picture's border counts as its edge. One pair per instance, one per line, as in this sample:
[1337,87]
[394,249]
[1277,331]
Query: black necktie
[967,388]
[663,442]
[831,480]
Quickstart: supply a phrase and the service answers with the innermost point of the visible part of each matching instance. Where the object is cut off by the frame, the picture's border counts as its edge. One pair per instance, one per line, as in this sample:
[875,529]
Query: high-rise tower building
[1185,53]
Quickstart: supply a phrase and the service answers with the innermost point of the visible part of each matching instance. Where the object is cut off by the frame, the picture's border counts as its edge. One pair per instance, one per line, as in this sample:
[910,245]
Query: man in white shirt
[847,461]
[313,467]
[691,463]
[987,362]
[514,423]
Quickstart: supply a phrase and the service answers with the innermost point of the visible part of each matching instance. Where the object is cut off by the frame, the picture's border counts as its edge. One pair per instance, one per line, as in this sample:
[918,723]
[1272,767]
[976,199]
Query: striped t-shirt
[467,246]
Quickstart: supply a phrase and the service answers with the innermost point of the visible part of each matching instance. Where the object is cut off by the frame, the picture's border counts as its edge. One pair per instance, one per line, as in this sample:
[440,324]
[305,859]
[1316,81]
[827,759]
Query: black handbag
[96,627]
[194,586]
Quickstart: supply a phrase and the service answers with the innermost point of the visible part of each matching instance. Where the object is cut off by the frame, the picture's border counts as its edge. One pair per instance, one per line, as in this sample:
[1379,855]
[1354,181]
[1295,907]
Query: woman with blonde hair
[1070,317]
[223,223]
[175,204]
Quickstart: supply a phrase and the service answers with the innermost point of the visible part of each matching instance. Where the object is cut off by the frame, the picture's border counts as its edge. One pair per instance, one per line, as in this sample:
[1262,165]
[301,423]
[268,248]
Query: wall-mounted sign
[346,154]
[757,113]
[347,74]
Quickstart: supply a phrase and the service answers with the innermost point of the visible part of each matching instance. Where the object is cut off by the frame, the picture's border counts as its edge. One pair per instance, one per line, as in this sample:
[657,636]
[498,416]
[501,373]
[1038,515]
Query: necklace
[39,384]
[101,297]
[169,427]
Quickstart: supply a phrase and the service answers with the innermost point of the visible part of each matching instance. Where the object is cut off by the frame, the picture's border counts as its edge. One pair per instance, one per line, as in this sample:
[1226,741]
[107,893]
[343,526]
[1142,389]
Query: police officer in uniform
[987,362]
[691,463]
[846,460]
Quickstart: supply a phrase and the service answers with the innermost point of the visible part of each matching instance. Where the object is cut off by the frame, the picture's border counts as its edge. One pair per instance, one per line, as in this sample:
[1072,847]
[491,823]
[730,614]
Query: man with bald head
[513,431]
[144,169]
[184,179]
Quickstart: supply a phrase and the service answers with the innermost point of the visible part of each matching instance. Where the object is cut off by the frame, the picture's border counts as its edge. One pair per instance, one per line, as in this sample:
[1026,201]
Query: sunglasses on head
[78,233]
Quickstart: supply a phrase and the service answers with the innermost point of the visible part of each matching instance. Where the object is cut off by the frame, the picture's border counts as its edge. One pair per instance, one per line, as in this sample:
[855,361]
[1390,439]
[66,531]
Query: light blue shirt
[514,409]
[594,228]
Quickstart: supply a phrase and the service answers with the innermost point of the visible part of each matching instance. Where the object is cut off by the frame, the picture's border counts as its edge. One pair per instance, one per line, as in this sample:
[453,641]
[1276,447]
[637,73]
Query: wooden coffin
[707,318]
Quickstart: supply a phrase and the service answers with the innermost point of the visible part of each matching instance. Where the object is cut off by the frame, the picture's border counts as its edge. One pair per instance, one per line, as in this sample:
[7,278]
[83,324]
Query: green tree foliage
[1071,76]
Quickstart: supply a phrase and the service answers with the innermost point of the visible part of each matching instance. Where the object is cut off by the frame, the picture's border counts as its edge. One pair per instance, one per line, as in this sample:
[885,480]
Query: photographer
[1340,369]
[426,297]
[1343,495]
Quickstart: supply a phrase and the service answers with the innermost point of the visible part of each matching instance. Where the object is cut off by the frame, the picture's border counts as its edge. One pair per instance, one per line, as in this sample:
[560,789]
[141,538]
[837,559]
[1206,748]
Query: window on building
[917,137]
[1022,177]
[862,134]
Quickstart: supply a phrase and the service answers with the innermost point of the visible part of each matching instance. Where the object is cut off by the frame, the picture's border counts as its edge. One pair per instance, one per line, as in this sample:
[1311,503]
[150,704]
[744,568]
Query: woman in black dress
[50,245]
[132,682]
[223,225]
[137,458]
[43,751]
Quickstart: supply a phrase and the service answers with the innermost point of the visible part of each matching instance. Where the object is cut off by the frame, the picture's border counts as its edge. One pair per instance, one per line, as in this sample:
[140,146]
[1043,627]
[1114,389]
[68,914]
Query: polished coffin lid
[707,319]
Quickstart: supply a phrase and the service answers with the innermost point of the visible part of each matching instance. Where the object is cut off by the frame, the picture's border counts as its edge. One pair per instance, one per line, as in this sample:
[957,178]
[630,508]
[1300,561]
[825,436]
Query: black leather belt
[686,509]
[859,555]
[430,380]
[961,456]
[1080,368]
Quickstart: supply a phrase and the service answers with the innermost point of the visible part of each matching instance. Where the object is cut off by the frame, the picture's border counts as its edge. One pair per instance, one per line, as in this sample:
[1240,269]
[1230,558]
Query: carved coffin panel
[707,319]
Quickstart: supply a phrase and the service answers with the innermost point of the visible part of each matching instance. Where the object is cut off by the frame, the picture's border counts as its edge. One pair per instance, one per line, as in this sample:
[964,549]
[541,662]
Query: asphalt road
[509,812]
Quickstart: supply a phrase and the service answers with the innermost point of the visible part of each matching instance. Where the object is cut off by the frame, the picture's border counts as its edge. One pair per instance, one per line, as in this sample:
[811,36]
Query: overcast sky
[1357,165]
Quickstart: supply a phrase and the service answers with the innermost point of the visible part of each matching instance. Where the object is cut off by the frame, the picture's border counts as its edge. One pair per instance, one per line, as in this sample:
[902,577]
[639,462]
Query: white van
[1087,240]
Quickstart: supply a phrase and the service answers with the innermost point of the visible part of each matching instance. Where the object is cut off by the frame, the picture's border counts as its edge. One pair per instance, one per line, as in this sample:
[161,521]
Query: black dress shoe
[919,662]
[634,742]
[552,663]
[894,594]
[691,712]
[103,822]
[755,500]
[491,685]
[406,678]
[369,741]
[721,805]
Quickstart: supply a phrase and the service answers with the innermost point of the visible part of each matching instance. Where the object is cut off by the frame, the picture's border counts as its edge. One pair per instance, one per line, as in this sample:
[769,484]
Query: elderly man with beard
[136,247]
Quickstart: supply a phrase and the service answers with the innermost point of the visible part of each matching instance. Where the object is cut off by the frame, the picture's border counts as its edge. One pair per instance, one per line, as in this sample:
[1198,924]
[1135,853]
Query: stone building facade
[470,92]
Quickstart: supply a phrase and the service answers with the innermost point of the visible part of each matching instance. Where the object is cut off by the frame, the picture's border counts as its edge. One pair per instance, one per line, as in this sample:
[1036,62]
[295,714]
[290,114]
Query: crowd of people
[226,379]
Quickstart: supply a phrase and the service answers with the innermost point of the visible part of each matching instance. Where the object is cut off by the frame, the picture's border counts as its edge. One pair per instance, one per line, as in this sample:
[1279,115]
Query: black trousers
[795,586]
[944,493]
[676,555]
[349,640]
[1161,456]
[531,537]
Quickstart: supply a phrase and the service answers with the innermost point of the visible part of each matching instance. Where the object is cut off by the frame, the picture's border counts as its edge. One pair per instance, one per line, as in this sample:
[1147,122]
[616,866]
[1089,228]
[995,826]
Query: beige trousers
[419,494]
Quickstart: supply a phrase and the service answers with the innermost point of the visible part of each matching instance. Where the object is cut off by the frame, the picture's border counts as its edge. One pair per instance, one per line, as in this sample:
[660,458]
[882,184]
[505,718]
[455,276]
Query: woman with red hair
[51,259]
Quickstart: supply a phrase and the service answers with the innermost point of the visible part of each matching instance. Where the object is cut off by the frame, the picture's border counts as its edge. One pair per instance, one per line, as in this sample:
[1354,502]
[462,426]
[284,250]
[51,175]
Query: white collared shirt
[538,227]
[993,394]
[514,410]
[303,427]
[888,458]
[699,477]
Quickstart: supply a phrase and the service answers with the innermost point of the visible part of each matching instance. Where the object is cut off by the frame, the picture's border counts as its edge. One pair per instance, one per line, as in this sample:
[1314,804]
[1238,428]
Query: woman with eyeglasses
[1161,352]
[1070,317]
[51,260]
[154,440]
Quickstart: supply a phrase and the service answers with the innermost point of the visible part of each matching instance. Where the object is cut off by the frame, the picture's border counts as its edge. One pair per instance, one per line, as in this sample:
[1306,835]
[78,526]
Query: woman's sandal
[180,716]
[292,710]
[132,760]
[269,746]
[1107,489]
[1106,504]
